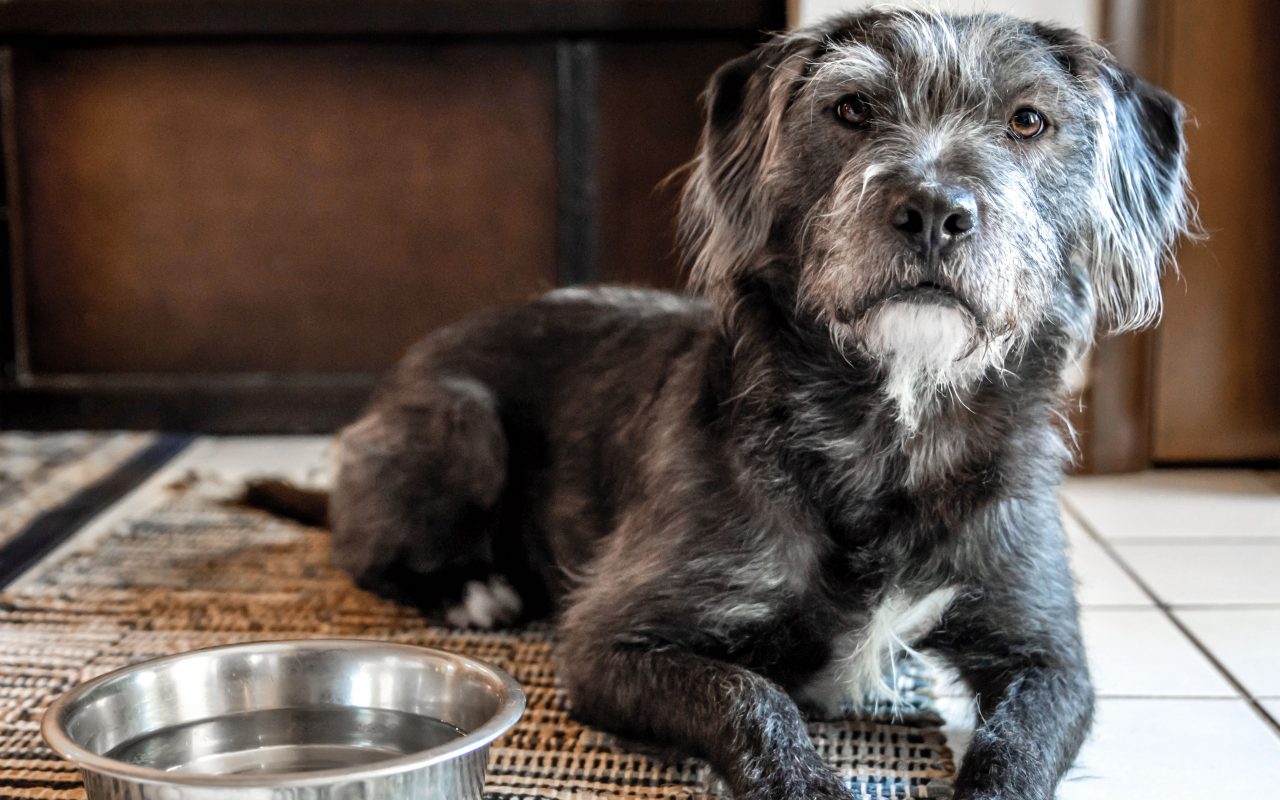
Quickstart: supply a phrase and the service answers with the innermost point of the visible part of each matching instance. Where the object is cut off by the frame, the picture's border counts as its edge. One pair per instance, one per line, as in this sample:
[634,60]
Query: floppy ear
[726,211]
[1143,205]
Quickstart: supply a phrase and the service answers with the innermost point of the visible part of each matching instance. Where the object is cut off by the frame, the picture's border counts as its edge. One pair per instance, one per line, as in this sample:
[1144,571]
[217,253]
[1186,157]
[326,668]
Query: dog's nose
[934,219]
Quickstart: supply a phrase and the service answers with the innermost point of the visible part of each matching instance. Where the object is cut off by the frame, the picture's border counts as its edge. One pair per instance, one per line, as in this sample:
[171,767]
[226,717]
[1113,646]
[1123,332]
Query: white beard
[926,349]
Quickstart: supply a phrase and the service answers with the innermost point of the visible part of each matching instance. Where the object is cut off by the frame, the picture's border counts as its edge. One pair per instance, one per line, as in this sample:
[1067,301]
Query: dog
[904,231]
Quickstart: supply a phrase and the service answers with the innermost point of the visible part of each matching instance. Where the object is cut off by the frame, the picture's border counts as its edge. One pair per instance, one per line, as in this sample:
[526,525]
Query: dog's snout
[933,220]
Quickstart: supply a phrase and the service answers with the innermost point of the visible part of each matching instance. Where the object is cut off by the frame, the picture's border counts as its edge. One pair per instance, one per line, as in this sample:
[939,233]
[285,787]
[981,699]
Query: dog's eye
[1026,123]
[853,110]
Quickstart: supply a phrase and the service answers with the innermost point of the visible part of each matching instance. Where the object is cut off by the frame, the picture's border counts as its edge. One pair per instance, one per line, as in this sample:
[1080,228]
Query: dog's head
[931,187]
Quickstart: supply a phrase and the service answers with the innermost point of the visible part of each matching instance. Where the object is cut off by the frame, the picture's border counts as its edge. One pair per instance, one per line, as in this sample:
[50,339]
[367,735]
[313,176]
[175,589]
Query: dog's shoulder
[583,316]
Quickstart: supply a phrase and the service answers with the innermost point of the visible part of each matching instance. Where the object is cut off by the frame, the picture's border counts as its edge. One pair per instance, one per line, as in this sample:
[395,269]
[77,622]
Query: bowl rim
[511,707]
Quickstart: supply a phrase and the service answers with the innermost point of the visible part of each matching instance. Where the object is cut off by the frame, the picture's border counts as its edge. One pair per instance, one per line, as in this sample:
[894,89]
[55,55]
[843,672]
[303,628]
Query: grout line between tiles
[1116,607]
[1164,607]
[1201,541]
[1196,697]
[1225,606]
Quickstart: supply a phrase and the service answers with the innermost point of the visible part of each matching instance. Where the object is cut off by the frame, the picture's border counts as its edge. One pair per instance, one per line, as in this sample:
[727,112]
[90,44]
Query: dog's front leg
[1032,723]
[1034,696]
[747,727]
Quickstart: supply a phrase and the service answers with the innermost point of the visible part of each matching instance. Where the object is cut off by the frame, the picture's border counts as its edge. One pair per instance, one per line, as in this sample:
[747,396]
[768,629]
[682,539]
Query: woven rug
[192,571]
[53,483]
[39,471]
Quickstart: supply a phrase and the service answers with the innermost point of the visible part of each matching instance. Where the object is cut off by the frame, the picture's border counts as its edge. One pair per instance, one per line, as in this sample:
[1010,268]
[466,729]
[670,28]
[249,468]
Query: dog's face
[932,187]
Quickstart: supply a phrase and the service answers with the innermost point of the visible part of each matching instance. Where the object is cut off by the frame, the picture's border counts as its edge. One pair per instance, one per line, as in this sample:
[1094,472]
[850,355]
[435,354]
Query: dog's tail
[279,497]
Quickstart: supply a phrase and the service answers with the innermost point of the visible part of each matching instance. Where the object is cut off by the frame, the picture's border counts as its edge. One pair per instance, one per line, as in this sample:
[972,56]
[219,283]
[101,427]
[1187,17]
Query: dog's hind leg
[414,505]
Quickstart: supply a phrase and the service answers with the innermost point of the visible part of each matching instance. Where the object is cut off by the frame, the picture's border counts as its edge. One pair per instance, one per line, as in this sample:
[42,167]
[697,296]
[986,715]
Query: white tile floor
[1245,640]
[1179,575]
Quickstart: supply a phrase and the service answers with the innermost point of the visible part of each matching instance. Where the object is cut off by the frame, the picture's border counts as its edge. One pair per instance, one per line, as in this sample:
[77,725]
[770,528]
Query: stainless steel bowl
[304,720]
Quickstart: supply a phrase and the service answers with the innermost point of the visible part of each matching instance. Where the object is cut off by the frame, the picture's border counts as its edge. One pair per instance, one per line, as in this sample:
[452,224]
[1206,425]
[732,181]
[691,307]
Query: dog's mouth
[923,293]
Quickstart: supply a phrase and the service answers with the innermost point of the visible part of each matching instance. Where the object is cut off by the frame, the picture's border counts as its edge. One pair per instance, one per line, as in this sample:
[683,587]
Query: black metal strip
[10,320]
[281,18]
[577,144]
[56,525]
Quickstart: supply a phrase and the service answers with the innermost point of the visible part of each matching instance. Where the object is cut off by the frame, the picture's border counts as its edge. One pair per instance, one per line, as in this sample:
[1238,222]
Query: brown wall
[1216,373]
[259,207]
[233,218]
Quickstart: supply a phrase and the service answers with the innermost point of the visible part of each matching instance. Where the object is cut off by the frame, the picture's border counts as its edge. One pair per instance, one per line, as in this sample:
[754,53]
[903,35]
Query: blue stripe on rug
[54,526]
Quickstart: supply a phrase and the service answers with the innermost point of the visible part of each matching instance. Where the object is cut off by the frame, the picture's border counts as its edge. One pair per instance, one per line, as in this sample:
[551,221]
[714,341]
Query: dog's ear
[1142,205]
[1144,198]
[726,212]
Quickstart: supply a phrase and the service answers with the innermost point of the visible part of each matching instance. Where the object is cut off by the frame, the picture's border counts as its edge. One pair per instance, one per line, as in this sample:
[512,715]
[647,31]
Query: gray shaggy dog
[904,230]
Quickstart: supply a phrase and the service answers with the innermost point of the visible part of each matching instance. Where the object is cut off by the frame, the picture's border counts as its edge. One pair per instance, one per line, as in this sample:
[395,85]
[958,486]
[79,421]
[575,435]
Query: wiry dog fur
[842,445]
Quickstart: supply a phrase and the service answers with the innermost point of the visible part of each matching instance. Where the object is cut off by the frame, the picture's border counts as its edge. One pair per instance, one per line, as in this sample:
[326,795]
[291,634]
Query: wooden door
[1216,377]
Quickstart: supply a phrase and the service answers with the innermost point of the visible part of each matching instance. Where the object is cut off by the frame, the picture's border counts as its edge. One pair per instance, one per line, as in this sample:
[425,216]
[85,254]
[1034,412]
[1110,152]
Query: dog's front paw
[828,793]
[1000,794]
[812,793]
[815,788]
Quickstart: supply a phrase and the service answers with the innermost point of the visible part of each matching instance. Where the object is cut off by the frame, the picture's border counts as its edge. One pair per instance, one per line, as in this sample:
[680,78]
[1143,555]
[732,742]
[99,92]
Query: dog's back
[550,352]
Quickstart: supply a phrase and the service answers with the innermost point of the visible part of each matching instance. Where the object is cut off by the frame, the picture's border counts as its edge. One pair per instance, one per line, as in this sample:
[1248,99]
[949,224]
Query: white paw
[485,605]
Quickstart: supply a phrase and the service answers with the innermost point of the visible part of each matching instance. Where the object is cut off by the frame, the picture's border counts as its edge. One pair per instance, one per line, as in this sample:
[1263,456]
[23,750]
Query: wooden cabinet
[231,216]
[270,208]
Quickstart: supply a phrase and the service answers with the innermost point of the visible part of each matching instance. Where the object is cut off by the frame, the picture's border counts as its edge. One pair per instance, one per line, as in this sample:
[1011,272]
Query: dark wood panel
[277,207]
[650,120]
[1113,420]
[344,17]
[1217,364]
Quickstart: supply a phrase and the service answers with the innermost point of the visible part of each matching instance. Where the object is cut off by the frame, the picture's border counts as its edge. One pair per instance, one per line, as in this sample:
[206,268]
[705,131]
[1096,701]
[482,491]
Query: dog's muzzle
[934,219]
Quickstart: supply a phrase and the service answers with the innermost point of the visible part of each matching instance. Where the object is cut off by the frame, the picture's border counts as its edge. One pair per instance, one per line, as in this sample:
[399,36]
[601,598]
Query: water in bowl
[282,740]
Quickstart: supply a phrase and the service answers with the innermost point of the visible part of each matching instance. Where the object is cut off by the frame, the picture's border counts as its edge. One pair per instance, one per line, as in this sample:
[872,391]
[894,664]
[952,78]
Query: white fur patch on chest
[865,664]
